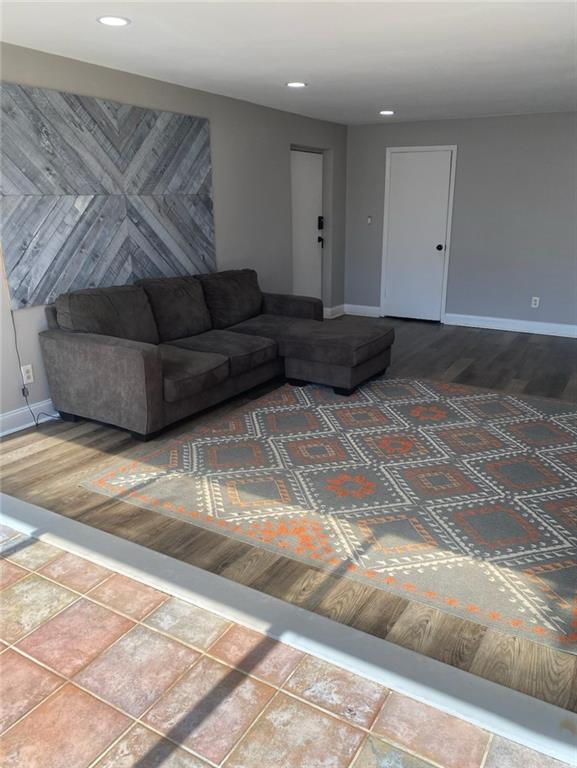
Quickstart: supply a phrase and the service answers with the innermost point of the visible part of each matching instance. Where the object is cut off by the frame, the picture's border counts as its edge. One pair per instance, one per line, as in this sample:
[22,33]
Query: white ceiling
[425,60]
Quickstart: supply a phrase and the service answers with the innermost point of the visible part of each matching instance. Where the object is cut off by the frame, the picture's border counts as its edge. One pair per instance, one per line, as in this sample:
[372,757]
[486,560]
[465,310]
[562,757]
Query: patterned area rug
[460,498]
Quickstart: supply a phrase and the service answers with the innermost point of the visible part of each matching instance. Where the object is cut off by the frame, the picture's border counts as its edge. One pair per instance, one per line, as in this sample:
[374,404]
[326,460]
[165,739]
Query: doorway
[416,231]
[307,222]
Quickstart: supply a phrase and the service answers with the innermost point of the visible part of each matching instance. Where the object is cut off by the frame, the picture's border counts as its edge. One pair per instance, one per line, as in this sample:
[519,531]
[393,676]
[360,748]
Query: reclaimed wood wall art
[96,193]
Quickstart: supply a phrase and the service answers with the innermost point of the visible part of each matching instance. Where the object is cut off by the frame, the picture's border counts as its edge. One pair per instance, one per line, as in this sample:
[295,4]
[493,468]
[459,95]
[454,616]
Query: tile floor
[97,669]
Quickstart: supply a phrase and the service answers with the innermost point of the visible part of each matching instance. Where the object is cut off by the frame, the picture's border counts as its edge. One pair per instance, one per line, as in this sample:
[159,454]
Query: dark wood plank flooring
[45,465]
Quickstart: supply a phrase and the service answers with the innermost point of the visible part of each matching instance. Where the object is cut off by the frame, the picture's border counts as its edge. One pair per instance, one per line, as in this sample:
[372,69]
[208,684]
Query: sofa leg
[344,391]
[142,438]
[297,382]
[68,416]
[379,374]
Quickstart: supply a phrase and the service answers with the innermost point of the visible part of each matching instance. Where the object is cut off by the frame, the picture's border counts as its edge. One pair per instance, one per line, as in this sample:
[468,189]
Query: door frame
[452,148]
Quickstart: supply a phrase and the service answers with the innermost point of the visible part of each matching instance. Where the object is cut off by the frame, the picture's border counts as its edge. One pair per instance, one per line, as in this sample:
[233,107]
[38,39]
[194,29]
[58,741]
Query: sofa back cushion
[232,296]
[123,311]
[178,305]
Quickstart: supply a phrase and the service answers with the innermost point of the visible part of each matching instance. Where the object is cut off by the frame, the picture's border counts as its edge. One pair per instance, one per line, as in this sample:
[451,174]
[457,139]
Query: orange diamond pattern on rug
[456,497]
[260,493]
[430,413]
[315,451]
[292,421]
[397,447]
[356,486]
[496,529]
[239,424]
[470,440]
[397,534]
[362,417]
[439,481]
[231,455]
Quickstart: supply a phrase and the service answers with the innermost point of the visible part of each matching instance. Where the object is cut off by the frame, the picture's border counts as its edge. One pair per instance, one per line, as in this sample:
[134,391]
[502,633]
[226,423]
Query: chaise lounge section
[145,356]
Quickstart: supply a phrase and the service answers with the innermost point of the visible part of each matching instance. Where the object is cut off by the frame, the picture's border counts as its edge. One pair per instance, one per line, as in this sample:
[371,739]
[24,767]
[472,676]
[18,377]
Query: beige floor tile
[431,733]
[28,603]
[136,670]
[210,708]
[188,623]
[351,697]
[294,735]
[34,554]
[75,572]
[10,573]
[505,754]
[379,754]
[256,654]
[23,685]
[68,730]
[77,635]
[128,596]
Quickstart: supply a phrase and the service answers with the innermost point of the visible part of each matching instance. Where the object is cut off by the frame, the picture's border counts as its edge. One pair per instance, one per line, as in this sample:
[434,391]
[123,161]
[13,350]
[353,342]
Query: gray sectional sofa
[144,356]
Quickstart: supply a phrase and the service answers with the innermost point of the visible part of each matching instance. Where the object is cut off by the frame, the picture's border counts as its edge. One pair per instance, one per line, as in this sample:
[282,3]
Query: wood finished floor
[46,465]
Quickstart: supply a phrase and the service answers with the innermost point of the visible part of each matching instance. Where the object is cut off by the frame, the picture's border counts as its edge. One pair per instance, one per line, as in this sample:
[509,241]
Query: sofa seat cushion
[186,372]
[345,341]
[232,296]
[244,352]
[122,311]
[178,305]
[270,326]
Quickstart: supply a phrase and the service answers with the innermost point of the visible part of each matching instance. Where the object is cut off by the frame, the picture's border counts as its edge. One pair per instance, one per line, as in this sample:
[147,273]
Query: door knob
[321,240]
[440,247]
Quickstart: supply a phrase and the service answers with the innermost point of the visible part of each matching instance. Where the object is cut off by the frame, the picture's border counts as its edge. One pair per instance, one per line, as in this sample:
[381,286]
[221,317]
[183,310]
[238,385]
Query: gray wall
[251,174]
[514,230]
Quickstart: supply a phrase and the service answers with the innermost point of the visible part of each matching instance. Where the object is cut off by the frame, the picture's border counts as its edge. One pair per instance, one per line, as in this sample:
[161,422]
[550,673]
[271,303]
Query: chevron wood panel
[93,192]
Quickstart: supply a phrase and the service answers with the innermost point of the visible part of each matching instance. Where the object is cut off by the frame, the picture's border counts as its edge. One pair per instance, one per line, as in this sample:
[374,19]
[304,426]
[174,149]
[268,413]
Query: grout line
[293,672]
[107,749]
[364,742]
[487,750]
[381,708]
[170,740]
[252,726]
[32,709]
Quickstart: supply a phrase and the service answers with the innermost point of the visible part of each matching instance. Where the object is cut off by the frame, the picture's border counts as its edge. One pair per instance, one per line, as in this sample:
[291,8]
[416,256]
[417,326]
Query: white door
[307,207]
[418,195]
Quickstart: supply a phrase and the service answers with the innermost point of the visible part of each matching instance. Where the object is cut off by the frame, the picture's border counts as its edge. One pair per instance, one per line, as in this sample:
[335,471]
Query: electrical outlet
[27,374]
[535,302]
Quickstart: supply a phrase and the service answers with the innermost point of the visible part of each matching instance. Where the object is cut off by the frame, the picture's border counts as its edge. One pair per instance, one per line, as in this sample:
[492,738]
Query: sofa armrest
[109,379]
[304,307]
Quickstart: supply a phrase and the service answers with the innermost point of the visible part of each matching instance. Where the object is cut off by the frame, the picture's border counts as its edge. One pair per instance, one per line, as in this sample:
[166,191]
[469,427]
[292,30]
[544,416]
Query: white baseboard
[21,418]
[509,324]
[362,310]
[332,312]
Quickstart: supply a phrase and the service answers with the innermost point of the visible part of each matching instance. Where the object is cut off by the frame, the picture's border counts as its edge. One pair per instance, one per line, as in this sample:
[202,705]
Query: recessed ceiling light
[114,21]
[296,84]
[387,112]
